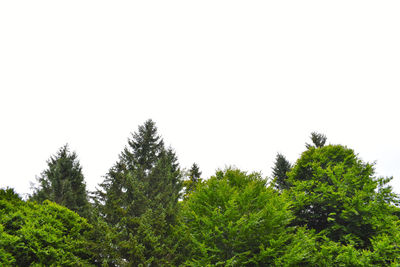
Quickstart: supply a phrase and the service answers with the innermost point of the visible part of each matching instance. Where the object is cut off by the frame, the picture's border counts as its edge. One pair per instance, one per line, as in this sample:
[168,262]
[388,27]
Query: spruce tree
[194,179]
[63,182]
[317,139]
[139,196]
[279,172]
[195,173]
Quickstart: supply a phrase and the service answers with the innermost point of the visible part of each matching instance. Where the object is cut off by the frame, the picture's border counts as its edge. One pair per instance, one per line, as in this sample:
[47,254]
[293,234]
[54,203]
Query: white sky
[227,82]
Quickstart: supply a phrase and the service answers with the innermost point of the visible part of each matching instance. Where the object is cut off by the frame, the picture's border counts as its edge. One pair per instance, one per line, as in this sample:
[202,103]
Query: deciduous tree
[336,193]
[47,234]
[234,219]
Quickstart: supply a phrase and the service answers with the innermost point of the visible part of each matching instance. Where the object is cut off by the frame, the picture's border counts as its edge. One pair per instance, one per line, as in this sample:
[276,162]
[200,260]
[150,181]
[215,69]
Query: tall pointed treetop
[318,140]
[194,179]
[144,147]
[279,172]
[63,182]
[139,196]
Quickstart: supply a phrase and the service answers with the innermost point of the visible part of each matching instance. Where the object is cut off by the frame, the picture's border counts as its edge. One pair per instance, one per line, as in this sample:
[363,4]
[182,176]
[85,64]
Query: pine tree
[279,172]
[318,140]
[140,197]
[195,173]
[63,182]
[194,179]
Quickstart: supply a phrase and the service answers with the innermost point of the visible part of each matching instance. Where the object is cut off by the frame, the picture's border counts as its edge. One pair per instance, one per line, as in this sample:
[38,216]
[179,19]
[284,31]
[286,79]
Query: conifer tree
[279,172]
[318,140]
[63,182]
[140,197]
[194,179]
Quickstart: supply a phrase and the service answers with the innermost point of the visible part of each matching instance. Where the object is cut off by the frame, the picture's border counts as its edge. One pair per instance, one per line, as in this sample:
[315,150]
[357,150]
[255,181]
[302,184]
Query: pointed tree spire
[144,147]
[317,139]
[139,196]
[279,172]
[63,182]
[194,179]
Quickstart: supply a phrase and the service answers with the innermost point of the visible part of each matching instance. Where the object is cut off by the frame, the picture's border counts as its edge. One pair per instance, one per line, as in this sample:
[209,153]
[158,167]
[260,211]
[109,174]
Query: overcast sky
[227,82]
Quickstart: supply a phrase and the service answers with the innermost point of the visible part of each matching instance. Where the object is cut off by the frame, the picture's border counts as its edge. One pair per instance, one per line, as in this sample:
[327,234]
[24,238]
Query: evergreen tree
[140,197]
[317,139]
[63,182]
[279,172]
[194,179]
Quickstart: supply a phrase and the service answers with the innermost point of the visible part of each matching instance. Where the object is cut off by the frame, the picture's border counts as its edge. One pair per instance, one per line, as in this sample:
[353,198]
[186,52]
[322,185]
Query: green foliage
[46,234]
[327,210]
[317,139]
[336,193]
[139,196]
[279,172]
[233,219]
[194,180]
[63,182]
[384,251]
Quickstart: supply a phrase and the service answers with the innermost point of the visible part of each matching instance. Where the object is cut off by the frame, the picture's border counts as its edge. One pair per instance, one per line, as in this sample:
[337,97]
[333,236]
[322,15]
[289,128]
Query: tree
[234,219]
[45,234]
[194,179]
[140,197]
[317,139]
[279,172]
[337,194]
[63,182]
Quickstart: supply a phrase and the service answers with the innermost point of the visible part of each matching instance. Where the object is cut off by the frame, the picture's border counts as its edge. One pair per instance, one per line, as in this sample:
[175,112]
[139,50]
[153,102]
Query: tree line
[326,209]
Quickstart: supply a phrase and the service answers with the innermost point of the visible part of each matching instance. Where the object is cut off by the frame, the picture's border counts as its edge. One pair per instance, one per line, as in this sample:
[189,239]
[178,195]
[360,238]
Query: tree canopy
[337,193]
[328,208]
[42,234]
[234,219]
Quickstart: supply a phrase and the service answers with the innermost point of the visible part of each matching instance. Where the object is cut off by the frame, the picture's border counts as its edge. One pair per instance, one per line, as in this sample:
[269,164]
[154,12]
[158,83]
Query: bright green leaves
[336,194]
[233,219]
[327,209]
[41,234]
